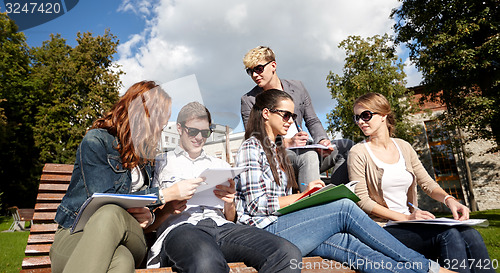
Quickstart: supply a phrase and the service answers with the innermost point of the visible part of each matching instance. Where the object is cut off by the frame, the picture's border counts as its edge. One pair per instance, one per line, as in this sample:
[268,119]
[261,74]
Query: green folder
[325,195]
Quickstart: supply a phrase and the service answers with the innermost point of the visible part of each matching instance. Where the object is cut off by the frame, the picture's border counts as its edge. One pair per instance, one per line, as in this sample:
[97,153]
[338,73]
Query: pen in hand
[420,214]
[413,206]
[298,127]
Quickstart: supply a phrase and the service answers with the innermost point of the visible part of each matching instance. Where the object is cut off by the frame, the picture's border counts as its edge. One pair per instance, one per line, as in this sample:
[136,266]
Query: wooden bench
[53,185]
[20,217]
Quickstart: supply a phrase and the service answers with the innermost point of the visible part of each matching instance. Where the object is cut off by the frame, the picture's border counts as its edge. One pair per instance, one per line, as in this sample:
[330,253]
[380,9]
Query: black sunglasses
[192,132]
[286,115]
[258,69]
[365,116]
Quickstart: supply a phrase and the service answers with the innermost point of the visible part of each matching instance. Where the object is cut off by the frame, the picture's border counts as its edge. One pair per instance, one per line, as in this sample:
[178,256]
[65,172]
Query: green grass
[491,234]
[12,244]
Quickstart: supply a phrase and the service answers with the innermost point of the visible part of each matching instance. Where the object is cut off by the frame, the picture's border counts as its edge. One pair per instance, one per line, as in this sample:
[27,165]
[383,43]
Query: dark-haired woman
[388,171]
[116,156]
[338,230]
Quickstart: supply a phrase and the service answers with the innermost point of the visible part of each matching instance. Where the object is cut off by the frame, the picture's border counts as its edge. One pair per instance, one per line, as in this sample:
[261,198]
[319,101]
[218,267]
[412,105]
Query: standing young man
[204,238]
[260,64]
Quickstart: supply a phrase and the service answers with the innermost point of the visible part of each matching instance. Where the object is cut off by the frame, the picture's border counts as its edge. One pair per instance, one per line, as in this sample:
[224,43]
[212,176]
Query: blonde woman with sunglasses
[338,230]
[388,171]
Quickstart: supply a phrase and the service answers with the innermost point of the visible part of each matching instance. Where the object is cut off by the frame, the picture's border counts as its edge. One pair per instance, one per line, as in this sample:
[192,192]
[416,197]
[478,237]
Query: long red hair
[137,118]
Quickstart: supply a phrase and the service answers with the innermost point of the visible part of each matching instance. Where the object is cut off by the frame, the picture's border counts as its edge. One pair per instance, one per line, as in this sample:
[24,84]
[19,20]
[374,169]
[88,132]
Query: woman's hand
[182,190]
[299,139]
[419,214]
[226,193]
[315,184]
[142,215]
[459,211]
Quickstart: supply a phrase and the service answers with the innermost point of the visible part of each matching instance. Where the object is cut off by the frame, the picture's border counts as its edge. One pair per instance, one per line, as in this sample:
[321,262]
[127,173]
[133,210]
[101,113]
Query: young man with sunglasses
[205,238]
[260,64]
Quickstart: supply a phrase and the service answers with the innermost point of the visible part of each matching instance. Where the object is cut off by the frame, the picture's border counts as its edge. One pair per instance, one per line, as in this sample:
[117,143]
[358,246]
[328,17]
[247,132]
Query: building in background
[464,170]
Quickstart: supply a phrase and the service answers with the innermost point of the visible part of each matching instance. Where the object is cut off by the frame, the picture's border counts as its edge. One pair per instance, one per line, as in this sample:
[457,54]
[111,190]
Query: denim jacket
[98,168]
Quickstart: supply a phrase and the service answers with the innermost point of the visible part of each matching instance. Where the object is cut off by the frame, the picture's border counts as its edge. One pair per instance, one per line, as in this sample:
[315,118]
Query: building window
[234,153]
[443,160]
[166,139]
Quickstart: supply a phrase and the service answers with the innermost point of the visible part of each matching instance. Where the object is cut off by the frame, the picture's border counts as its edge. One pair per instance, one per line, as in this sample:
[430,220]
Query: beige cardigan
[369,189]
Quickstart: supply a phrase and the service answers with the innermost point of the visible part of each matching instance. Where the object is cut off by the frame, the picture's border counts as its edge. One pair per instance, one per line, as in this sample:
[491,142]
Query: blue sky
[165,40]
[88,16]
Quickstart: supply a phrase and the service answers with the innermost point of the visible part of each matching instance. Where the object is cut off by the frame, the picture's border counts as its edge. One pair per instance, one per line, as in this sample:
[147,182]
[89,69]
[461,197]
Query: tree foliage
[371,65]
[74,87]
[49,97]
[456,46]
[18,157]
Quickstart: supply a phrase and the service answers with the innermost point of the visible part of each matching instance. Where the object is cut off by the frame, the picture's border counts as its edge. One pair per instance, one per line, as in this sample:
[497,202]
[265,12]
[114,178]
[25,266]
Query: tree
[456,46]
[49,97]
[18,157]
[74,87]
[370,66]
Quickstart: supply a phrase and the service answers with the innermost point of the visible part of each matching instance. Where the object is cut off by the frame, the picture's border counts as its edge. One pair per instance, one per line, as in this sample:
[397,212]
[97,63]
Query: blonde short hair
[254,56]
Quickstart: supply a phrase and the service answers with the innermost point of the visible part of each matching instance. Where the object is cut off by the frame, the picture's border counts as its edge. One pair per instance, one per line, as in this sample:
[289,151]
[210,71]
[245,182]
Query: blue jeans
[341,231]
[456,248]
[207,247]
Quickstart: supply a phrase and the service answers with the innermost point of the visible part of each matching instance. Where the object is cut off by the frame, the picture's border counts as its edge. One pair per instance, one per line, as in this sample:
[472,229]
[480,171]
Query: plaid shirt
[256,191]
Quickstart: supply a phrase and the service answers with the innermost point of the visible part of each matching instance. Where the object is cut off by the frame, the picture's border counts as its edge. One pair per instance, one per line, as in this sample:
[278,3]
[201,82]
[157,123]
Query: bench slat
[45,207]
[55,179]
[44,216]
[37,249]
[53,188]
[43,228]
[41,238]
[36,262]
[54,197]
[57,168]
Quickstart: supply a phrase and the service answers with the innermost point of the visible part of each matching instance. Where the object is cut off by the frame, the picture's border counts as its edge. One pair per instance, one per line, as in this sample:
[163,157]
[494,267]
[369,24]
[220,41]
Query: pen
[298,127]
[413,206]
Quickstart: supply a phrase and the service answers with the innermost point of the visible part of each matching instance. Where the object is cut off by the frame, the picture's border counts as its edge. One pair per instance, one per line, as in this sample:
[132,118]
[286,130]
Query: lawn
[12,244]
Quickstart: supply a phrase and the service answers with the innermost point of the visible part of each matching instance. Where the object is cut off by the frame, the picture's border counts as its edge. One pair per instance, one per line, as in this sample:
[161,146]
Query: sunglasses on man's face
[285,115]
[192,132]
[365,116]
[257,69]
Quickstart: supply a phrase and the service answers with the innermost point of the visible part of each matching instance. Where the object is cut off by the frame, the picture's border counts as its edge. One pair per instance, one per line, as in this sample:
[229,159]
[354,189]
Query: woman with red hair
[116,156]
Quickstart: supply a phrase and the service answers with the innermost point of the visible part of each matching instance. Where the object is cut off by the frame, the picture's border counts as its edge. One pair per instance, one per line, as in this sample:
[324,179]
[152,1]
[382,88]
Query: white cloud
[413,76]
[139,7]
[209,39]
